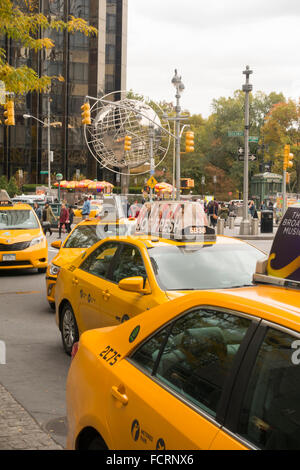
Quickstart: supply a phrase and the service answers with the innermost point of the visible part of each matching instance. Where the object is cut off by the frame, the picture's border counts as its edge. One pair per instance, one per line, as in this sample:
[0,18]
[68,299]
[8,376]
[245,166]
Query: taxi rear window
[18,220]
[194,267]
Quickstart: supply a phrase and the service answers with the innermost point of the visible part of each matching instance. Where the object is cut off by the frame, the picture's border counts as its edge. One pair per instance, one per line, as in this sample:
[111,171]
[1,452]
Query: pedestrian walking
[47,217]
[212,212]
[71,218]
[252,208]
[63,218]
[223,213]
[38,211]
[86,209]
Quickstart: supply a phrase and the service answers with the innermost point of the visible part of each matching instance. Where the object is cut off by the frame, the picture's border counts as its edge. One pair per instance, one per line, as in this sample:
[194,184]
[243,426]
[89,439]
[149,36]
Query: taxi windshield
[85,236]
[204,266]
[18,220]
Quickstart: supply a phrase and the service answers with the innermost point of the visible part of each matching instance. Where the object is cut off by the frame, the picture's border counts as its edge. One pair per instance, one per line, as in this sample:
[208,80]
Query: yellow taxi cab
[22,240]
[84,235]
[121,277]
[96,209]
[214,370]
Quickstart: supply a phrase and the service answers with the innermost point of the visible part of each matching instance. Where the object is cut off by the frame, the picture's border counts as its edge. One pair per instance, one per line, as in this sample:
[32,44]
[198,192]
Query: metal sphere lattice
[112,121]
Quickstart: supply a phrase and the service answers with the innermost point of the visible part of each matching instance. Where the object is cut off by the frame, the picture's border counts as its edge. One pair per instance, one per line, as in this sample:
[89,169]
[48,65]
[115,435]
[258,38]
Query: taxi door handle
[116,393]
[106,294]
[75,281]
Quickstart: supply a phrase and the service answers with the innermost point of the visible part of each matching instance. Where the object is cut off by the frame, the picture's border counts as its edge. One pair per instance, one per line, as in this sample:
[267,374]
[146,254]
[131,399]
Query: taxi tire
[97,444]
[52,305]
[68,321]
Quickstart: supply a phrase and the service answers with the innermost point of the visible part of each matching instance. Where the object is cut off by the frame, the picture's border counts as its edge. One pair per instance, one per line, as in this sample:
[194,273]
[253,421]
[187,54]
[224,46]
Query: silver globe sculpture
[112,121]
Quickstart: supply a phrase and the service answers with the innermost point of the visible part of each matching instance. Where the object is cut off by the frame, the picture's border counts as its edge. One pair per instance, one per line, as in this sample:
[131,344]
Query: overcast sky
[210,42]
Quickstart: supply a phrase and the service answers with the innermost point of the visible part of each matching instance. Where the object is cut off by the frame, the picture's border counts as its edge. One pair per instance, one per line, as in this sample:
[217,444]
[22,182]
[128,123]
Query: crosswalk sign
[151,182]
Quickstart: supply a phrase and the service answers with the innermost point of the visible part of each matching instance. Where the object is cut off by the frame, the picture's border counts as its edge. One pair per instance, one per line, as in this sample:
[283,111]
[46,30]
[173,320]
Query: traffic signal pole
[48,145]
[247,88]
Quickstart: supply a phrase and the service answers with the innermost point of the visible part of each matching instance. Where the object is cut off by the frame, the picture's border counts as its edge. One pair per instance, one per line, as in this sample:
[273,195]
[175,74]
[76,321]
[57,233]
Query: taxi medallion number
[110,355]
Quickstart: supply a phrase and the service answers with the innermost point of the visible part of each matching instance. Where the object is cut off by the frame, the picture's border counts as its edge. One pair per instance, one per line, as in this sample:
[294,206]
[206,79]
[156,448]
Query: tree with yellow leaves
[21,22]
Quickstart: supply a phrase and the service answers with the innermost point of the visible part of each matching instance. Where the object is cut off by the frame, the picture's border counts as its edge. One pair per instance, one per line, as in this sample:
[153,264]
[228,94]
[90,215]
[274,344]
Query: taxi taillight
[74,350]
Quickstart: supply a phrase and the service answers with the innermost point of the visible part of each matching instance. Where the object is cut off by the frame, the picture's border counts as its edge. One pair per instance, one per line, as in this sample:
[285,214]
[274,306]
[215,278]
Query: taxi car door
[120,304]
[265,410]
[168,394]
[90,284]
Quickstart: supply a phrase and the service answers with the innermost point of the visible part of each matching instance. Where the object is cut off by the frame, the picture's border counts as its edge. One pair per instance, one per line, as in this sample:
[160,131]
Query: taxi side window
[270,416]
[130,264]
[99,261]
[196,358]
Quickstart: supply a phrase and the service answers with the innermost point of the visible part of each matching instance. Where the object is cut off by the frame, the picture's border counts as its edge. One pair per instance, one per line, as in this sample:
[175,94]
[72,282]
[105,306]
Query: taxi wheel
[97,444]
[69,329]
[52,305]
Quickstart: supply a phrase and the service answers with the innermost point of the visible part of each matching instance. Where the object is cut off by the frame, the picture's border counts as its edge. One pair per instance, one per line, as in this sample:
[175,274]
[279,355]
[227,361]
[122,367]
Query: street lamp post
[151,138]
[176,81]
[48,124]
[247,88]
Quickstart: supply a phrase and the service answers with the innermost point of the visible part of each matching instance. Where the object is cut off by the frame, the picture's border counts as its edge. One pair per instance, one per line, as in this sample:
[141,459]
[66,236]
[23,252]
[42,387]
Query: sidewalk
[18,430]
[261,236]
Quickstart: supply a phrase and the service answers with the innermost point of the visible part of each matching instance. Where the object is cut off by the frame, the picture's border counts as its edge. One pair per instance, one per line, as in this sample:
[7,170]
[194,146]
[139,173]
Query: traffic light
[288,157]
[189,142]
[9,113]
[86,113]
[288,178]
[127,143]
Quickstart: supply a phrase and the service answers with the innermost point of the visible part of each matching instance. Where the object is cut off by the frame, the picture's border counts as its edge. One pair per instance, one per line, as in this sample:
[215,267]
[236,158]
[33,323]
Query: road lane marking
[21,292]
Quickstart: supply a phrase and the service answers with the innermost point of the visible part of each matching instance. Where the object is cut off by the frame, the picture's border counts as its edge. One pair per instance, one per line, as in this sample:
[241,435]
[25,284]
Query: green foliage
[21,22]
[12,187]
[3,182]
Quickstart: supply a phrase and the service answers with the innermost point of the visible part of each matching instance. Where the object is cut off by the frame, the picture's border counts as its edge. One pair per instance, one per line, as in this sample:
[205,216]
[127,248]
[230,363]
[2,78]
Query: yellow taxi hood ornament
[284,258]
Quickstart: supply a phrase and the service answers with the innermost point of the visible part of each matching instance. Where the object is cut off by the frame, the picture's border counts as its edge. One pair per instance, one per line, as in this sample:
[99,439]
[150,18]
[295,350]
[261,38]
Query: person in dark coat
[71,218]
[38,211]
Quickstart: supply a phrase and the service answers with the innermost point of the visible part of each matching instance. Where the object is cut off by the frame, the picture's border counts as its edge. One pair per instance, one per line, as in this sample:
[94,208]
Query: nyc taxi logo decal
[87,297]
[138,433]
[135,430]
[134,334]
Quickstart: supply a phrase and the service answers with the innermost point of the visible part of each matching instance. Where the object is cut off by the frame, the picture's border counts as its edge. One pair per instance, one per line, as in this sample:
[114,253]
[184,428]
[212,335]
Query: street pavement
[32,394]
[36,365]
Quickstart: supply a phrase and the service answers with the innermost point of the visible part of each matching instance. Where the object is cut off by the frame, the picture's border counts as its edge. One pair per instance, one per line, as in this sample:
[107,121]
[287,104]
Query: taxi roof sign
[283,264]
[177,220]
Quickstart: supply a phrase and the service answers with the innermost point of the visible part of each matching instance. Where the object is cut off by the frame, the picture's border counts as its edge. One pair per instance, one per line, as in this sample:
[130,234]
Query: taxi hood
[16,236]
[67,255]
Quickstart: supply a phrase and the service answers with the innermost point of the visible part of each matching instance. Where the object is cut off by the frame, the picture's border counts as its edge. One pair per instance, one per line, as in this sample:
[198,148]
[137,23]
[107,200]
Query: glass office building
[90,66]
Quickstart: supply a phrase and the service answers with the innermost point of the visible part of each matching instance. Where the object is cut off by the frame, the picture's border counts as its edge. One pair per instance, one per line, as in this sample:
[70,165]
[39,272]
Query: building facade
[90,66]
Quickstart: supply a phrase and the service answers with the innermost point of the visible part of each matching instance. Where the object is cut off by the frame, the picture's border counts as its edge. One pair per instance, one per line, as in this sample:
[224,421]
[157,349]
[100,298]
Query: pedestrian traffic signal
[127,143]
[189,142]
[86,113]
[9,113]
[288,178]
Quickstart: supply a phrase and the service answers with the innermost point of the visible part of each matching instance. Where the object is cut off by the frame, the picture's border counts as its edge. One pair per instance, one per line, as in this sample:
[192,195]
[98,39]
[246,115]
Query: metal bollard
[254,227]
[220,226]
[231,223]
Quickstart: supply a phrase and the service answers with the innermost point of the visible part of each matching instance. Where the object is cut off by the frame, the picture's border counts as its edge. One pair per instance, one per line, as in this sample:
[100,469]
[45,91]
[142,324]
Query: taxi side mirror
[56,244]
[134,284]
